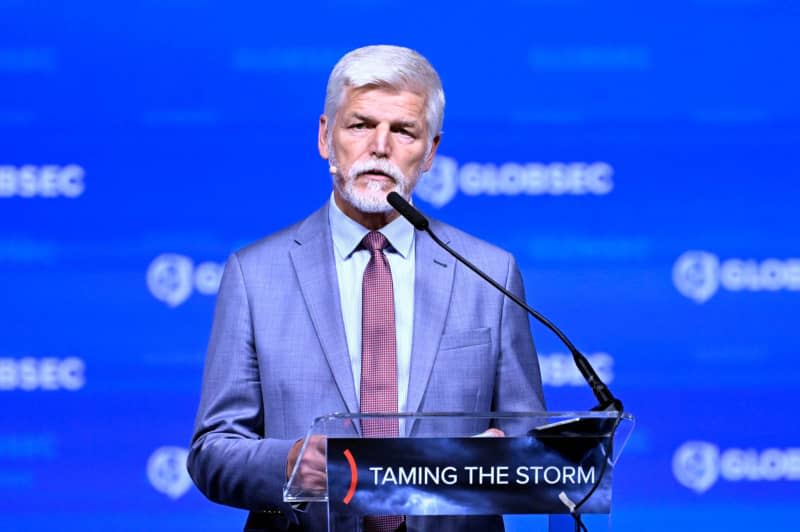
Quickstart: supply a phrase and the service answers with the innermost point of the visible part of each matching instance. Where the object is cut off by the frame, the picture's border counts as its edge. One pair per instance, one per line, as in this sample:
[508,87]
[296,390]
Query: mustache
[379,166]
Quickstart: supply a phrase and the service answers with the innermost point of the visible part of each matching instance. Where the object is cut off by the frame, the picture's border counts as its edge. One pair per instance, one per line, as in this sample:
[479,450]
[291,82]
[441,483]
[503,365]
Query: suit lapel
[433,284]
[313,261]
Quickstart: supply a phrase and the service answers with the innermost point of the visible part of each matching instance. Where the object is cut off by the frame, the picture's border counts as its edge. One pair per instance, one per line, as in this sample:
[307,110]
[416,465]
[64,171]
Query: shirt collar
[348,234]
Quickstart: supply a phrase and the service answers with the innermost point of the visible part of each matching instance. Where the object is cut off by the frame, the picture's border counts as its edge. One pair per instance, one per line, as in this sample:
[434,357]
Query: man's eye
[359,125]
[406,133]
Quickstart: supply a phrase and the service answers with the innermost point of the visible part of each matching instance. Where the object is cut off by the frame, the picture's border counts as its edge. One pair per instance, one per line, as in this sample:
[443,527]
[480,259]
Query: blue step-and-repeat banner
[639,158]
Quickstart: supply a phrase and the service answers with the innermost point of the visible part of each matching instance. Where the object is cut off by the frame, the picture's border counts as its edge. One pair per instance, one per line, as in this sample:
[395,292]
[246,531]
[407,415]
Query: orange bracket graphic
[353,476]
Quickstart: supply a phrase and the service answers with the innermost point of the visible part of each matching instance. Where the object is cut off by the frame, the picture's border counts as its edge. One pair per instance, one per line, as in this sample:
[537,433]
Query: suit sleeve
[230,461]
[518,384]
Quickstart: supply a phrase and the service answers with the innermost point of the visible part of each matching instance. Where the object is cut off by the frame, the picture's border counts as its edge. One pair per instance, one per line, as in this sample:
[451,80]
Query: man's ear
[429,159]
[322,139]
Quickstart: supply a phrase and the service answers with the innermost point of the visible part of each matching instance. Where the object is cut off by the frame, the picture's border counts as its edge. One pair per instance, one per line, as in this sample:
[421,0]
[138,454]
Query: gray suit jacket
[278,358]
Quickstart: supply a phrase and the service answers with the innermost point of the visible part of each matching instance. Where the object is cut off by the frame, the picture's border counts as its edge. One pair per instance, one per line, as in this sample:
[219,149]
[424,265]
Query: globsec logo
[698,275]
[698,465]
[172,278]
[446,178]
[440,183]
[166,471]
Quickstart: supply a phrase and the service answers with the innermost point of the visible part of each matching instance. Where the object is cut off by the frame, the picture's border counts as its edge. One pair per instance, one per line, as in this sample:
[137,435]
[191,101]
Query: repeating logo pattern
[172,278]
[446,178]
[46,181]
[30,374]
[166,471]
[696,465]
[698,275]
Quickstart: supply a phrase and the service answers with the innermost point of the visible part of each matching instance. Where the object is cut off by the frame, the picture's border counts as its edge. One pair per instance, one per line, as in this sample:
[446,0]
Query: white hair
[387,66]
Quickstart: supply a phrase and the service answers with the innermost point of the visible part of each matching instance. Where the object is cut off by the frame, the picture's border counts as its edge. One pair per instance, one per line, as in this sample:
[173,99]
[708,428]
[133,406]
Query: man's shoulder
[279,243]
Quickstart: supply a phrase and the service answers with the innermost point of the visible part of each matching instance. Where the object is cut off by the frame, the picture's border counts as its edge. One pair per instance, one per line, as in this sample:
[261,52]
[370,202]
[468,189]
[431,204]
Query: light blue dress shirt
[350,265]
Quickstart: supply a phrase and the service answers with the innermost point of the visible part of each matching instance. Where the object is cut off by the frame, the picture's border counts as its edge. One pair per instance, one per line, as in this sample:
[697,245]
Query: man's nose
[381,142]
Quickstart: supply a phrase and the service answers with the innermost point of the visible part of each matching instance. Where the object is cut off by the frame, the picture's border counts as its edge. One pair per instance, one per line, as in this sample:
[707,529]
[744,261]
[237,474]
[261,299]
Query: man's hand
[311,473]
[491,433]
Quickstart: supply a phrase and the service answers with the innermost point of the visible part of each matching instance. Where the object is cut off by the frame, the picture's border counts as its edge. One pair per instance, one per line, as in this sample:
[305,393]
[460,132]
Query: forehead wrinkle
[358,99]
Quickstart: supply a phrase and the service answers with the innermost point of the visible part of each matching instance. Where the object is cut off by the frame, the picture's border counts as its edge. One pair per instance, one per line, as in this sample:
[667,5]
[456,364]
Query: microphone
[332,169]
[606,399]
[409,213]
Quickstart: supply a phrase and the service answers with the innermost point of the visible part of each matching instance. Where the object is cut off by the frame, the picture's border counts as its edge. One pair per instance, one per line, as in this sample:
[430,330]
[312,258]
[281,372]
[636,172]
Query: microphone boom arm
[606,399]
[602,393]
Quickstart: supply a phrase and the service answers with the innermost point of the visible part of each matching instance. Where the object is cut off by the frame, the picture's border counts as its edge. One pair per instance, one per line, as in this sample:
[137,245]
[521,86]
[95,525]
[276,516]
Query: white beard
[372,198]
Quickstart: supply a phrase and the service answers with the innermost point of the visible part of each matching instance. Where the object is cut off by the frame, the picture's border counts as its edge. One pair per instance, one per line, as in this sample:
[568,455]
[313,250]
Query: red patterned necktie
[378,357]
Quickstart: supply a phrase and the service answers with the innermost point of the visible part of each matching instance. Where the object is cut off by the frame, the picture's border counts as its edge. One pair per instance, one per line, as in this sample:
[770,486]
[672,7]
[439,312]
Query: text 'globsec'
[46,181]
[29,374]
[446,177]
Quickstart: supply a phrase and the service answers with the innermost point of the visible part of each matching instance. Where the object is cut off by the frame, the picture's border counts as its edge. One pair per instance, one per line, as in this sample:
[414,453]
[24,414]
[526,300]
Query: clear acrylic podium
[546,463]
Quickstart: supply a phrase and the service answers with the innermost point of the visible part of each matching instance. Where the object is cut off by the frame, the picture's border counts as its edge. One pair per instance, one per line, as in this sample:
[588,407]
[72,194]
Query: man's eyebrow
[405,123]
[371,120]
[362,118]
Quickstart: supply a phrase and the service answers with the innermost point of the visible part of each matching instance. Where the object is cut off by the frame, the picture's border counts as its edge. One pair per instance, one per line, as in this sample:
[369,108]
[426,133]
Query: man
[350,311]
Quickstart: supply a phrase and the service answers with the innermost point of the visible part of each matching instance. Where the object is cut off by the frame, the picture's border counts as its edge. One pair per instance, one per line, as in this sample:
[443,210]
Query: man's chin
[369,203]
[372,207]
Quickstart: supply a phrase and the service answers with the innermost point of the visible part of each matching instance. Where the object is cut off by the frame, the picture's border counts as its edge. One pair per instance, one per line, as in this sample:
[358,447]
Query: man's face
[378,144]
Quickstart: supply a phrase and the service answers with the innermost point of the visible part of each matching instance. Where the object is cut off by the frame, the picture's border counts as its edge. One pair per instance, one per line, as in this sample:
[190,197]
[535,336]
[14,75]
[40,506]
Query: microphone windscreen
[407,211]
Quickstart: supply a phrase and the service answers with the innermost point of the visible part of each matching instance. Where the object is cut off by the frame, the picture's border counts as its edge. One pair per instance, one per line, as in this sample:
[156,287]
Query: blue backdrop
[639,158]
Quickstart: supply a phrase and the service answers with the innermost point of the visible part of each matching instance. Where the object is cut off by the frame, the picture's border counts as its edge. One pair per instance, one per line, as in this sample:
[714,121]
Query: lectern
[548,463]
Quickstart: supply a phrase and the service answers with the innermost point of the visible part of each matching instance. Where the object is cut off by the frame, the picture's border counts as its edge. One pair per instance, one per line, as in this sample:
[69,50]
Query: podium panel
[447,464]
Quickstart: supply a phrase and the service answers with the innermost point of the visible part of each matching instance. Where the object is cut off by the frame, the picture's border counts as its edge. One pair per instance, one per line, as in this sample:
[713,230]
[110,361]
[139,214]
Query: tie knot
[375,241]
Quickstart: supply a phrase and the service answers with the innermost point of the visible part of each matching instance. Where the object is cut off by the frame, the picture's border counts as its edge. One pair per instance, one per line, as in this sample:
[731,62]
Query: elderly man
[350,311]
